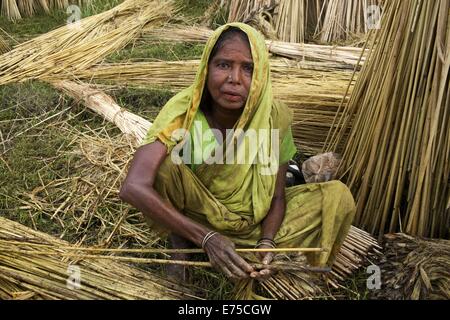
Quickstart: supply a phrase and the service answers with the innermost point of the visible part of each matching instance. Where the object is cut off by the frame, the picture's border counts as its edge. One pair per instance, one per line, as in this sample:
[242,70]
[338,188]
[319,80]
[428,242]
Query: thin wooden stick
[166,251]
[166,261]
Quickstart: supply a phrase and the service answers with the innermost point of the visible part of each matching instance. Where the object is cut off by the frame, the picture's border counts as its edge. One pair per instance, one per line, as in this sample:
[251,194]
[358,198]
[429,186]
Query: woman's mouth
[232,97]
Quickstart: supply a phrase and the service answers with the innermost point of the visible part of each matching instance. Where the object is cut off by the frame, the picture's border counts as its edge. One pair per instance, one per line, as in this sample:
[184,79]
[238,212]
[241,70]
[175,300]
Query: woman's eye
[223,65]
[248,68]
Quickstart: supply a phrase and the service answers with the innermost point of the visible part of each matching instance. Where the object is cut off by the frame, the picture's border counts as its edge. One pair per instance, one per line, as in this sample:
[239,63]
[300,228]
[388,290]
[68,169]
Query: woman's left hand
[266,259]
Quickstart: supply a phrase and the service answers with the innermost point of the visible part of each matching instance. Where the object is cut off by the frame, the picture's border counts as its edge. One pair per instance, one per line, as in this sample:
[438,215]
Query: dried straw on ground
[345,20]
[338,57]
[72,48]
[4,46]
[396,153]
[25,275]
[414,269]
[84,204]
[314,96]
[18,9]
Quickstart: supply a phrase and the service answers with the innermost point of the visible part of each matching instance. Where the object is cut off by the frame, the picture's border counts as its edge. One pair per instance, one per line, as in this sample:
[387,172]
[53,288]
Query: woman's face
[230,74]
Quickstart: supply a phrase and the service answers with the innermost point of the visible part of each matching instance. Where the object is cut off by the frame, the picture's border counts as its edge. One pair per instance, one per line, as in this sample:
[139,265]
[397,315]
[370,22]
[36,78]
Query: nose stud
[230,78]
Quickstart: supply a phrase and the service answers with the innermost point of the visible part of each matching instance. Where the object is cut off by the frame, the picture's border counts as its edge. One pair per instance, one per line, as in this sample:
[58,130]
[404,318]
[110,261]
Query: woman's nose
[235,75]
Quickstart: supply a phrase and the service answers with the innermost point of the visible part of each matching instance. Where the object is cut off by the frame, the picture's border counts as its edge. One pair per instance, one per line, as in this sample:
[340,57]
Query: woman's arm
[138,191]
[272,223]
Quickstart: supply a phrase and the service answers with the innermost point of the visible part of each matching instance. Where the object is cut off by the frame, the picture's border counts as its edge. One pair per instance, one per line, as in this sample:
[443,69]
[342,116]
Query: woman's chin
[232,105]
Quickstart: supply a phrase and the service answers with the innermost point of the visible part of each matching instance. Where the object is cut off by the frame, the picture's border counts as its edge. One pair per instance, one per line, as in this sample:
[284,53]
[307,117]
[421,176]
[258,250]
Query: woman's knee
[346,197]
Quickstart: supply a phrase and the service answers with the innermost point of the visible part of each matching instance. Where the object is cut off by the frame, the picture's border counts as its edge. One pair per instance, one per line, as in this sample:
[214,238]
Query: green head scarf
[243,189]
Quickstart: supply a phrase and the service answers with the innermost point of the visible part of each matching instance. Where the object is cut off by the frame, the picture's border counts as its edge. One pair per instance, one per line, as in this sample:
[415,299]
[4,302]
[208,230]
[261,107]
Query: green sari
[234,199]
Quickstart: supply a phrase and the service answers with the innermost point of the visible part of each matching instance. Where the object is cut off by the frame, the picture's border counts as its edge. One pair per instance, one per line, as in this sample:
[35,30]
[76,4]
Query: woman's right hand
[223,257]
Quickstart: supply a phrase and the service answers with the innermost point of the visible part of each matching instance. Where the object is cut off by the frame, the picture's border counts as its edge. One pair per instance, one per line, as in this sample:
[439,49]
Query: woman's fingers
[237,272]
[218,264]
[264,274]
[267,258]
[223,257]
[239,262]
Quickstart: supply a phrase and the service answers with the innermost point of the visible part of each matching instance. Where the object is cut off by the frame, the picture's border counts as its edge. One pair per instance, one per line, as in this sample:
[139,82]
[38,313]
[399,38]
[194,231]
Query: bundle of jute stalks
[256,13]
[394,130]
[77,46]
[336,56]
[313,95]
[295,19]
[347,20]
[17,9]
[24,274]
[291,20]
[414,269]
[240,11]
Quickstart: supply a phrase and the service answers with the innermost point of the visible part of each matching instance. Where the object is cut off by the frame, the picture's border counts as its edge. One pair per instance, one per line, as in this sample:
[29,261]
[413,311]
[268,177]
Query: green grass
[194,9]
[144,102]
[28,28]
[356,287]
[158,51]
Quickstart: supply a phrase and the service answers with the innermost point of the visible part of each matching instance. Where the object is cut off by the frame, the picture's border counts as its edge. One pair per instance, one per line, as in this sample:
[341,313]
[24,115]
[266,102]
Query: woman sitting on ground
[212,168]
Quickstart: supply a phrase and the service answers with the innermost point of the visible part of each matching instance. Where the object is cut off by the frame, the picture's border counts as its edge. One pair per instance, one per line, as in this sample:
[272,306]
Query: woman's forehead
[235,45]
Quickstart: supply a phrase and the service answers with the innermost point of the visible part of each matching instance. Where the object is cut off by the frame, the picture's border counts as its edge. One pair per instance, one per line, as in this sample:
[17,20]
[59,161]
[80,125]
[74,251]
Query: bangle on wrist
[267,242]
[208,236]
